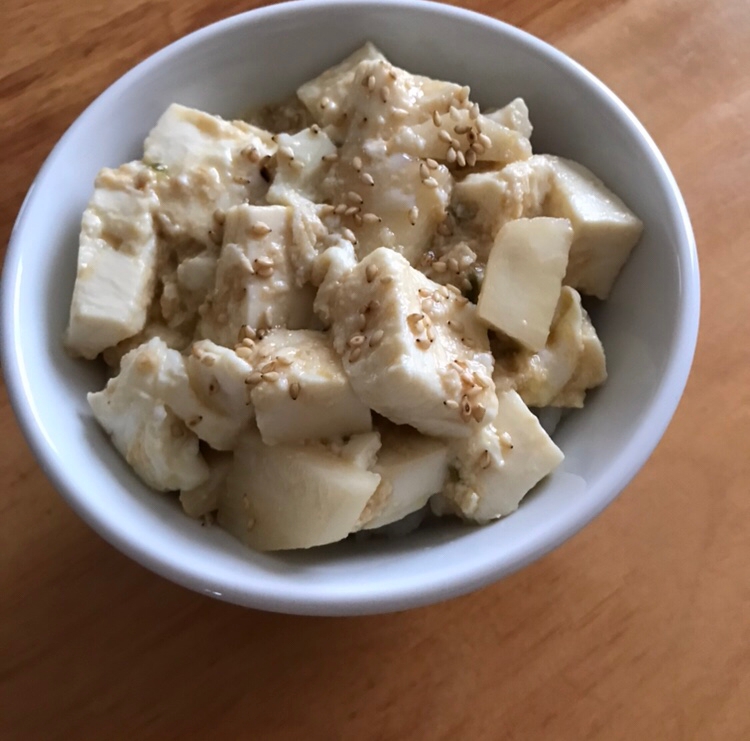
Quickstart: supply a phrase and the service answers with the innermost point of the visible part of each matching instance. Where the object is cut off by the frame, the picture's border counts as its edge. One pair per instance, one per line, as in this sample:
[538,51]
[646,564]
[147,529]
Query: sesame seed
[340,209]
[243,353]
[462,129]
[485,140]
[424,171]
[252,154]
[351,211]
[462,301]
[456,144]
[478,412]
[386,279]
[422,342]
[466,378]
[355,354]
[267,367]
[471,158]
[371,81]
[371,272]
[296,164]
[431,182]
[413,215]
[444,136]
[460,159]
[474,111]
[453,289]
[506,440]
[252,379]
[451,156]
[332,157]
[452,264]
[370,218]
[399,112]
[478,148]
[431,163]
[463,94]
[287,152]
[358,219]
[385,93]
[451,403]
[355,197]
[357,163]
[430,334]
[377,337]
[325,102]
[392,75]
[356,340]
[294,389]
[439,266]
[349,234]
[193,421]
[362,321]
[246,332]
[315,129]
[455,326]
[455,114]
[367,179]
[247,342]
[436,118]
[219,216]
[260,229]
[327,209]
[283,360]
[465,409]
[485,459]
[270,377]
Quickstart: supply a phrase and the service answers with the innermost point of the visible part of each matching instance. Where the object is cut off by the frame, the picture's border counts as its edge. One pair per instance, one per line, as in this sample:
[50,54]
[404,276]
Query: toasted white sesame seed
[444,136]
[371,82]
[424,171]
[271,376]
[252,379]
[332,157]
[367,179]
[465,409]
[451,403]
[471,158]
[355,197]
[462,129]
[355,354]
[431,163]
[371,272]
[451,156]
[460,159]
[315,129]
[357,163]
[358,219]
[362,322]
[356,340]
[413,215]
[452,264]
[325,102]
[243,353]
[370,218]
[294,389]
[485,459]
[436,118]
[287,152]
[385,93]
[477,147]
[506,440]
[474,111]
[349,234]
[377,337]
[246,332]
[386,279]
[485,140]
[431,182]
[260,229]
[422,342]
[326,209]
[455,114]
[438,266]
[351,211]
[268,366]
[340,209]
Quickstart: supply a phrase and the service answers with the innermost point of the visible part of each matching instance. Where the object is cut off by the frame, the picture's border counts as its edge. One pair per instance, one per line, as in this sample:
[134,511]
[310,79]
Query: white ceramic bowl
[648,326]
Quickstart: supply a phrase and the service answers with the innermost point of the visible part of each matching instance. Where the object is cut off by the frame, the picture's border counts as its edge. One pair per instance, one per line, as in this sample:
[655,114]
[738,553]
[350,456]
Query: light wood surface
[638,628]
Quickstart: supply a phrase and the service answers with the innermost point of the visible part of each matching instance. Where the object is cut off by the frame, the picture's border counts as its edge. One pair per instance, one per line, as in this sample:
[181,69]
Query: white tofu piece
[523,279]
[204,498]
[514,116]
[499,464]
[116,263]
[150,436]
[484,201]
[203,163]
[326,95]
[328,271]
[590,372]
[414,351]
[254,283]
[302,162]
[412,468]
[300,391]
[605,230]
[292,496]
[540,377]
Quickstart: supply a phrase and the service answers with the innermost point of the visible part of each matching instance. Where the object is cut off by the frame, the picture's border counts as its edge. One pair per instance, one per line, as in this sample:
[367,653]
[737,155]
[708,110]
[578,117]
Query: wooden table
[638,628]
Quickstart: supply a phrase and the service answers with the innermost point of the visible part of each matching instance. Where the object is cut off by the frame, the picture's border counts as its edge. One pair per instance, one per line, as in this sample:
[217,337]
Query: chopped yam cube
[302,162]
[254,281]
[116,263]
[514,116]
[300,391]
[499,464]
[605,230]
[524,276]
[414,351]
[292,496]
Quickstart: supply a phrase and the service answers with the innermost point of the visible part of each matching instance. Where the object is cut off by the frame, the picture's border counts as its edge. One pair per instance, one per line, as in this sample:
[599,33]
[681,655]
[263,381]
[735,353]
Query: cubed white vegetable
[153,440]
[254,283]
[515,116]
[605,230]
[116,263]
[414,351]
[302,161]
[292,496]
[204,498]
[412,467]
[300,391]
[523,279]
[499,464]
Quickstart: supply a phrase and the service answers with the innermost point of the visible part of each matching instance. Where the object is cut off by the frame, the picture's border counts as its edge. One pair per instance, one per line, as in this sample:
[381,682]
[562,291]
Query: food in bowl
[328,324]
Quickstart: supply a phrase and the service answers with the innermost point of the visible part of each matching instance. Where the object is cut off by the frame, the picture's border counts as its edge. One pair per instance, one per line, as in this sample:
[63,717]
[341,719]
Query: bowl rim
[396,596]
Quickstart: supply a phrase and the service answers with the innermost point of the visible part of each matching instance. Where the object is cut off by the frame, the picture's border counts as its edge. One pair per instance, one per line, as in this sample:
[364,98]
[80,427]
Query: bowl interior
[648,326]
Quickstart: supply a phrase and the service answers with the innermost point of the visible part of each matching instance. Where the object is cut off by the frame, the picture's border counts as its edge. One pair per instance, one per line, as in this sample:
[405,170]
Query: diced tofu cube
[326,95]
[484,201]
[514,116]
[303,161]
[329,269]
[493,141]
[414,351]
[591,370]
[539,377]
[204,498]
[150,436]
[393,204]
[412,468]
[116,263]
[499,464]
[300,391]
[605,230]
[524,276]
[203,163]
[292,496]
[254,277]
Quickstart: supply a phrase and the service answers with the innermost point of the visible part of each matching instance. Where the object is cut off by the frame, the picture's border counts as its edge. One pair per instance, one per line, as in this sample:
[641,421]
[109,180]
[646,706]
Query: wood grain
[639,627]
